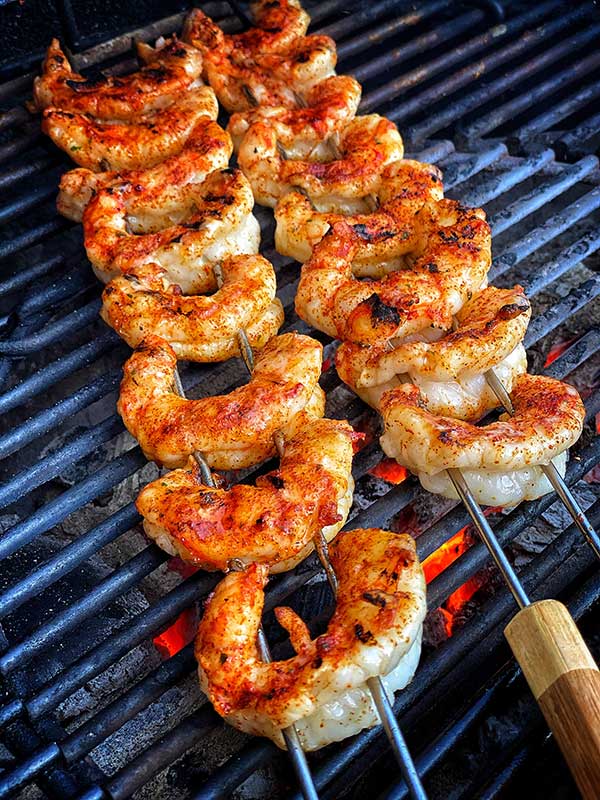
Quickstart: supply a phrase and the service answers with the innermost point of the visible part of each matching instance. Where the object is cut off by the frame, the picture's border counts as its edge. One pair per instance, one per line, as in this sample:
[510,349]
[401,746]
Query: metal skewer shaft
[550,471]
[290,735]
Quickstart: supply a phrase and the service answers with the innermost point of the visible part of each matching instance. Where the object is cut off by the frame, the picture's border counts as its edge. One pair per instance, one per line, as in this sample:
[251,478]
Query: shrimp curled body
[449,370]
[272,523]
[219,223]
[387,234]
[303,132]
[500,461]
[161,194]
[451,263]
[234,430]
[375,630]
[270,65]
[169,70]
[140,144]
[367,144]
[198,327]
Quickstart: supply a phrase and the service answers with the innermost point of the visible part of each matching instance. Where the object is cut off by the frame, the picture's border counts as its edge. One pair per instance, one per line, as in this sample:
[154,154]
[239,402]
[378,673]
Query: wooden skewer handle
[565,681]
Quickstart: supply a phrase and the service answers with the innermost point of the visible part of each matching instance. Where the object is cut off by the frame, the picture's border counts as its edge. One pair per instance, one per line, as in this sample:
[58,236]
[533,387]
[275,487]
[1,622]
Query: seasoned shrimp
[500,461]
[161,194]
[387,234]
[269,523]
[303,132]
[451,262]
[103,146]
[232,431]
[198,327]
[171,69]
[489,327]
[277,25]
[219,223]
[466,397]
[449,369]
[366,145]
[375,630]
[267,67]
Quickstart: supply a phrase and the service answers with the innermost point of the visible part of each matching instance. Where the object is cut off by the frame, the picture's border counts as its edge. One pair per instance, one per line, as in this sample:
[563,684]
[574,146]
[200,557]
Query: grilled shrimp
[375,630]
[220,223]
[198,327]
[464,397]
[303,132]
[253,71]
[500,461]
[169,70]
[367,144]
[269,523]
[103,146]
[232,431]
[160,194]
[489,327]
[277,25]
[451,262]
[387,233]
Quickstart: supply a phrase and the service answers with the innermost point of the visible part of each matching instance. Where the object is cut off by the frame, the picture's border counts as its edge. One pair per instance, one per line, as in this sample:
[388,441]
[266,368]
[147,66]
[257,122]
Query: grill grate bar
[117,583]
[572,142]
[539,196]
[492,186]
[489,91]
[50,466]
[69,501]
[42,231]
[21,171]
[54,372]
[473,71]
[566,260]
[54,332]
[488,122]
[416,46]
[146,624]
[548,120]
[29,274]
[16,438]
[548,230]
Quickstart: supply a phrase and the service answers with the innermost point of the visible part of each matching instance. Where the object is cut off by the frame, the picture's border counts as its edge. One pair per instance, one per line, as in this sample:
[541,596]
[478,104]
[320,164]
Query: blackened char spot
[382,314]
[368,235]
[361,634]
[277,482]
[375,599]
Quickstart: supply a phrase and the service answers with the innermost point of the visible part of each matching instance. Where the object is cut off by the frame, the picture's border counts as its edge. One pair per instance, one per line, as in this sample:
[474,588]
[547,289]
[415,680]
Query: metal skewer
[550,471]
[375,684]
[290,735]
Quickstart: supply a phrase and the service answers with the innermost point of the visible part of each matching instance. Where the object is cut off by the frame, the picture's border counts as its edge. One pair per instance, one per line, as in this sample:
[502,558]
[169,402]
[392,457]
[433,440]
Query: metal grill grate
[63,446]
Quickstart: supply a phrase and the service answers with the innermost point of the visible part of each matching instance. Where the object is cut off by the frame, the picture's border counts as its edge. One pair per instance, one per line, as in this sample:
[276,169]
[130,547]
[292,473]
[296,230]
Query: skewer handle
[565,682]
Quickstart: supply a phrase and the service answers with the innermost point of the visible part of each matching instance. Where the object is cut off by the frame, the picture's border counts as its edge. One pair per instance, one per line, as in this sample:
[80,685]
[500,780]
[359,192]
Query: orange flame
[177,635]
[439,560]
[389,470]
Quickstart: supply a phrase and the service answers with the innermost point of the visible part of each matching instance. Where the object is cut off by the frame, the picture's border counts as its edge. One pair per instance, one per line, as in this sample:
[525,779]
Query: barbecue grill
[99,698]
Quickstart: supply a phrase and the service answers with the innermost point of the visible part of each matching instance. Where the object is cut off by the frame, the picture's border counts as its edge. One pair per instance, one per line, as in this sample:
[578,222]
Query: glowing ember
[389,470]
[177,635]
[558,349]
[438,561]
[326,365]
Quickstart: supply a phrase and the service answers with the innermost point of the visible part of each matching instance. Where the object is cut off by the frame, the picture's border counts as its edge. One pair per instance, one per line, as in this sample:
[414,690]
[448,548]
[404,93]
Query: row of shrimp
[169,228]
[396,272]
